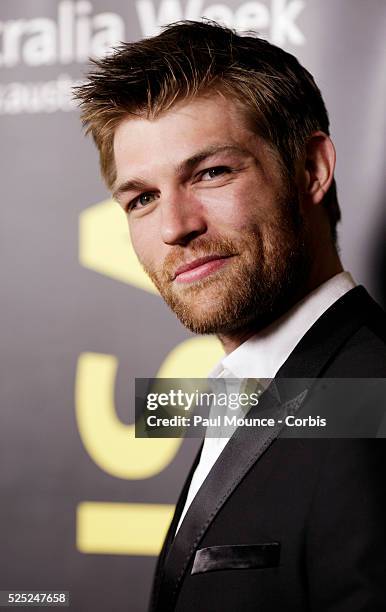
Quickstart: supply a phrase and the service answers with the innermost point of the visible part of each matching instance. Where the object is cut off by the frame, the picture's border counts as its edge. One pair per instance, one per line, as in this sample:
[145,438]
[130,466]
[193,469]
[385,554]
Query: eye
[142,200]
[212,173]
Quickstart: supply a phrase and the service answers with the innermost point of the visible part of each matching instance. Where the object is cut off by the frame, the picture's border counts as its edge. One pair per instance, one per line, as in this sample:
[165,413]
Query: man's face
[212,220]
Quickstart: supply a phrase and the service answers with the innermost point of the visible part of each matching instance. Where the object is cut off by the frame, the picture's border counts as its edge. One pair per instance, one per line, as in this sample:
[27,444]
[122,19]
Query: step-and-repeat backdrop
[84,505]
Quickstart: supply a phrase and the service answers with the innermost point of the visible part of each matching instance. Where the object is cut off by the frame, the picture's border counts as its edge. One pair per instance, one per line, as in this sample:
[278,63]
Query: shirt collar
[262,355]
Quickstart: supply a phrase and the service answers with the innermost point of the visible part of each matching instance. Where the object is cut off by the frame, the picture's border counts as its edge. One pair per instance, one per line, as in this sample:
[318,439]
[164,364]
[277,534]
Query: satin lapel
[246,446]
[241,452]
[170,534]
[326,337]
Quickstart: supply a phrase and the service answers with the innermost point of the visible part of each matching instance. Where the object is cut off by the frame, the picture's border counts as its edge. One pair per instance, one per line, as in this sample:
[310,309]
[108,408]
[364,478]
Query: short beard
[265,279]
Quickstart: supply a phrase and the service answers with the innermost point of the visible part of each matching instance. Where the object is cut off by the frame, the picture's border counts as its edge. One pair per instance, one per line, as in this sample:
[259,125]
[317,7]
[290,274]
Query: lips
[199,268]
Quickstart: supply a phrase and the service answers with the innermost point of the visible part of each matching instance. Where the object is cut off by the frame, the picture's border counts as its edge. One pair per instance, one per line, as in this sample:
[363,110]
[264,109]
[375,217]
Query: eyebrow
[139,184]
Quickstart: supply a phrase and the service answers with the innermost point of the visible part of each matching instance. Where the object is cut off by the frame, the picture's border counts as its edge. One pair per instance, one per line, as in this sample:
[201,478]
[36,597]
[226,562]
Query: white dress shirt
[262,355]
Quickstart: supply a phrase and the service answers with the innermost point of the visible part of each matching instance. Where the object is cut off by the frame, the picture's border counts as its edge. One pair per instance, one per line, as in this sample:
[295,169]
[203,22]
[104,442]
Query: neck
[320,273]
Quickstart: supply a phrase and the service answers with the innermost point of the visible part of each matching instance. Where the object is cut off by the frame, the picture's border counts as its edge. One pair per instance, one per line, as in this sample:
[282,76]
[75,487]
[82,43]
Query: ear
[319,166]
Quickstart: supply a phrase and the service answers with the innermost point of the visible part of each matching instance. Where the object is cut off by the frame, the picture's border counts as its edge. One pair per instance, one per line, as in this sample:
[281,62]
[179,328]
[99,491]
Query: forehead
[179,133]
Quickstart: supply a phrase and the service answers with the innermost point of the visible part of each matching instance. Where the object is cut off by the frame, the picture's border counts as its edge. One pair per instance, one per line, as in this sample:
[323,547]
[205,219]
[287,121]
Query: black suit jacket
[290,524]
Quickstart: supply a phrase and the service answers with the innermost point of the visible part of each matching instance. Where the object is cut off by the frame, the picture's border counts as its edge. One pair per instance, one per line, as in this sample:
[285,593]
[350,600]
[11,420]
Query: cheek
[233,209]
[146,243]
[140,243]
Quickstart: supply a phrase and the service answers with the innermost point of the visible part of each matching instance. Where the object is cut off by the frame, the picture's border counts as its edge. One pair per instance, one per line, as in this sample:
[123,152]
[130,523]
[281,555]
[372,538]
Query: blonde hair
[189,58]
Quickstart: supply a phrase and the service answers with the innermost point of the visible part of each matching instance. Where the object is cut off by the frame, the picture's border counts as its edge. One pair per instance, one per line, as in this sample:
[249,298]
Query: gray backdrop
[83,506]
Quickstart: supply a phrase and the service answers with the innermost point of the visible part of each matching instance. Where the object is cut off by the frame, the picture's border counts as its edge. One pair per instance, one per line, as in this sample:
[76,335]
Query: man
[217,147]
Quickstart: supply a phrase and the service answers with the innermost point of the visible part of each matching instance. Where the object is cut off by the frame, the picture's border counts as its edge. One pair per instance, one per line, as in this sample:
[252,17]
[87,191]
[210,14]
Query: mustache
[221,247]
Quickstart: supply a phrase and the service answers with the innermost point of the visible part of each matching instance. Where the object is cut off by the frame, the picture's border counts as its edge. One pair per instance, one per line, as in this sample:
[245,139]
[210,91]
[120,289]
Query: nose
[182,219]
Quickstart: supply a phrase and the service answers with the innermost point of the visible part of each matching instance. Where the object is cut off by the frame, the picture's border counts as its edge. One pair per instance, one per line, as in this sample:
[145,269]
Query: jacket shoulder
[364,352]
